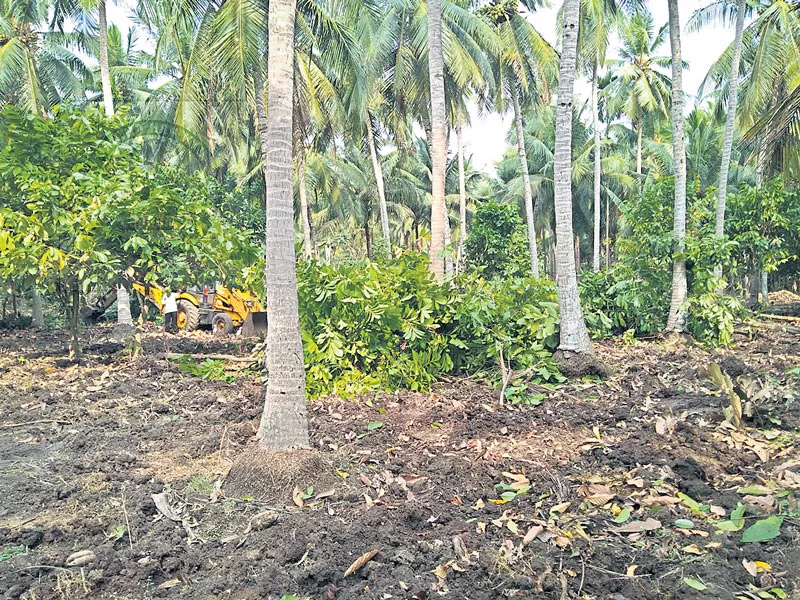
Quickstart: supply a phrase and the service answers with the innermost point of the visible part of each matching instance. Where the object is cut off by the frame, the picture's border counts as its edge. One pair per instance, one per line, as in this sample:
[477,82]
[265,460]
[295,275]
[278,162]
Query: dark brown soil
[84,448]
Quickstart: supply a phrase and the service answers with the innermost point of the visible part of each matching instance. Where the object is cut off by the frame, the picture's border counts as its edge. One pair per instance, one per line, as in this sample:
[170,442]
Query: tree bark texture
[37,316]
[124,307]
[730,122]
[105,73]
[261,118]
[284,424]
[378,170]
[574,335]
[526,184]
[305,222]
[438,137]
[462,202]
[677,309]
[639,125]
[598,171]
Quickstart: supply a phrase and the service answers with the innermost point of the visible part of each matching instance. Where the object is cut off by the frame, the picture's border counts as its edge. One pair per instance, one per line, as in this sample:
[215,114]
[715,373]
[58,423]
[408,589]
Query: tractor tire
[222,324]
[188,316]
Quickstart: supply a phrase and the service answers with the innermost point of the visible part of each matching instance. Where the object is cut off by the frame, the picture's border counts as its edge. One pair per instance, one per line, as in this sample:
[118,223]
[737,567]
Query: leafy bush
[712,314]
[634,295]
[497,245]
[617,300]
[387,326]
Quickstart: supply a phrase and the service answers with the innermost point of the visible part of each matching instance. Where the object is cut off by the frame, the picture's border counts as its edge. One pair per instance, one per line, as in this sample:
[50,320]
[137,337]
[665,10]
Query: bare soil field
[112,478]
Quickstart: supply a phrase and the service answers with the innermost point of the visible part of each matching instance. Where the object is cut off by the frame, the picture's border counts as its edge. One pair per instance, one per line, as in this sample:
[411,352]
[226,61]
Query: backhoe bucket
[254,324]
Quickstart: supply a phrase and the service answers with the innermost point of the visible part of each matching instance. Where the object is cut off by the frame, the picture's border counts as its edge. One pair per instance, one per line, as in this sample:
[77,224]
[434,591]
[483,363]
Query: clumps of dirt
[274,476]
[577,365]
[463,496]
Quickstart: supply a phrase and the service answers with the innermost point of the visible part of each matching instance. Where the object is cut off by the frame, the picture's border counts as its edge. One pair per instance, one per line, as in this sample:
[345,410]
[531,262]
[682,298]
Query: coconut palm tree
[767,74]
[37,70]
[284,425]
[641,89]
[438,136]
[526,70]
[574,335]
[76,10]
[598,20]
[677,310]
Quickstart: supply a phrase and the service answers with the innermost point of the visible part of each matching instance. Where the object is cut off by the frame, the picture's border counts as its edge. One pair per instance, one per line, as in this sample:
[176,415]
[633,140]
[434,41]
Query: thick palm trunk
[526,184]
[639,126]
[378,170]
[305,222]
[448,257]
[438,136]
[598,171]
[74,320]
[37,314]
[573,328]
[124,326]
[462,202]
[105,74]
[761,278]
[261,118]
[730,122]
[284,424]
[677,311]
[608,232]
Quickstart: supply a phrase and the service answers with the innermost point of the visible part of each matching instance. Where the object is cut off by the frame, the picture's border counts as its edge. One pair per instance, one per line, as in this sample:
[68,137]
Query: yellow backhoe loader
[224,309]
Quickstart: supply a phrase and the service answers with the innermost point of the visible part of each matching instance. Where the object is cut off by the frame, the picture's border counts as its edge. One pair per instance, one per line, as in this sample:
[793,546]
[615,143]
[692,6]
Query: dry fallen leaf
[162,504]
[713,545]
[169,583]
[80,558]
[693,549]
[480,527]
[560,508]
[440,572]
[629,572]
[297,496]
[660,500]
[531,534]
[649,524]
[512,526]
[461,549]
[561,541]
[765,503]
[361,561]
[479,504]
[750,567]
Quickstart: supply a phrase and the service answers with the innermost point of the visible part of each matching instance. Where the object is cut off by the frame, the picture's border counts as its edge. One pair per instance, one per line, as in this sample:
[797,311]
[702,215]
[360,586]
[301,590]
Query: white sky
[485,138]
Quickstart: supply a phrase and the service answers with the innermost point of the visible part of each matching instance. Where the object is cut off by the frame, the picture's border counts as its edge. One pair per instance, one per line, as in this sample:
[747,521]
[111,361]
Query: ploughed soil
[112,480]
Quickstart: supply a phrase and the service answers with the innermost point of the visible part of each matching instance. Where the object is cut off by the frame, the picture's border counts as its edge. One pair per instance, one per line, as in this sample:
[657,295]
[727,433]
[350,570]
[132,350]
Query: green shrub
[381,325]
[497,245]
[711,316]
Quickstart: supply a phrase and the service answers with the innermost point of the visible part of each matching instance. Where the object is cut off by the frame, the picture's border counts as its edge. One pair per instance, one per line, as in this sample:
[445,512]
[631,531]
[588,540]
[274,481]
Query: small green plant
[199,484]
[117,533]
[10,552]
[211,370]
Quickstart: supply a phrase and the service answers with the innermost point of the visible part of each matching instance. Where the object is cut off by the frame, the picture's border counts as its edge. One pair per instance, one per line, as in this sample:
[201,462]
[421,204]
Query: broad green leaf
[374,425]
[763,530]
[623,516]
[695,583]
[754,490]
[684,524]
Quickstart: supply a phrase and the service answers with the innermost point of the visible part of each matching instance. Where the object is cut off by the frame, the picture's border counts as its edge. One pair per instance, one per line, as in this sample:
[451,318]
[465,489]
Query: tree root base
[272,476]
[580,364]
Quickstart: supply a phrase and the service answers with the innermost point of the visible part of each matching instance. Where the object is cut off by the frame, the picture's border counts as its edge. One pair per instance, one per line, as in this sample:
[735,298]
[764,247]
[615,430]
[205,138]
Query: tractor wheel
[222,324]
[188,316]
